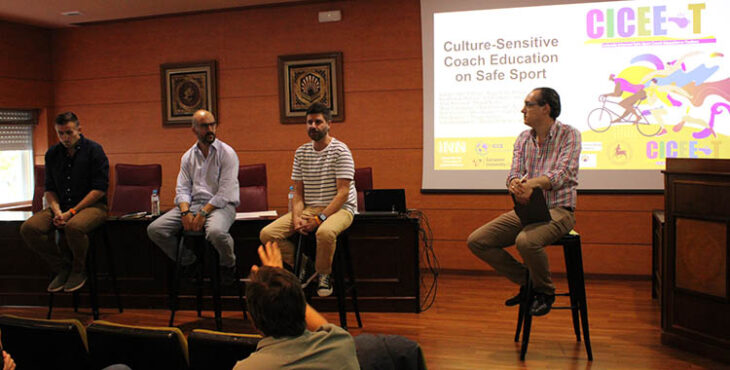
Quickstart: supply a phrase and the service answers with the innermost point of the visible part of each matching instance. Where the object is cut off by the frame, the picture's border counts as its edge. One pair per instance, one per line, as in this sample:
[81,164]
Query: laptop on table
[384,202]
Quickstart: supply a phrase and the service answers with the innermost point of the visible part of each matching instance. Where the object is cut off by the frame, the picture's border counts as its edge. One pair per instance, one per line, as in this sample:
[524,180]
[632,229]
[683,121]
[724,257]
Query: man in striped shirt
[545,158]
[324,198]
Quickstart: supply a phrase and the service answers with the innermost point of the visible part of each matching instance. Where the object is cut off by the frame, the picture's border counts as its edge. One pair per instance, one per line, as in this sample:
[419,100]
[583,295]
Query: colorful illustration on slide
[657,96]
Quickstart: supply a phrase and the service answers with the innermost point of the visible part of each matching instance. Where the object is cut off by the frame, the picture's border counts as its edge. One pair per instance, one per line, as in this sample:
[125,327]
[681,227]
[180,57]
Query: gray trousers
[488,243]
[164,232]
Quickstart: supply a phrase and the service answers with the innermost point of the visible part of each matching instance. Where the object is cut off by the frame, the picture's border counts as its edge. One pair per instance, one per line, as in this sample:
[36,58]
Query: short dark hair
[276,302]
[319,108]
[67,117]
[550,97]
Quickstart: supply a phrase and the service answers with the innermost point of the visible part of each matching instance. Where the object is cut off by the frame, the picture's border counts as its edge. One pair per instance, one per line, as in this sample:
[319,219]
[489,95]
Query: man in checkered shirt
[545,158]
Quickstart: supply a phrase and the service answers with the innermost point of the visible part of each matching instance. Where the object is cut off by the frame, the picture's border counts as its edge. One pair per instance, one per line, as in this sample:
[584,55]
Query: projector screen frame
[610,183]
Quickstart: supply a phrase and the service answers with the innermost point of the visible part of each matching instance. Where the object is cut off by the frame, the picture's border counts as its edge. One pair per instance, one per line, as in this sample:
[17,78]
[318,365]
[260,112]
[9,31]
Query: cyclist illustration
[629,104]
[601,119]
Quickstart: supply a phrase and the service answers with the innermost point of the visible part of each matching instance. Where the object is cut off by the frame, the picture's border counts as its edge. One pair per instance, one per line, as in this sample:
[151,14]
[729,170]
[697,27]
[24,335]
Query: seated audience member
[206,196]
[295,335]
[77,178]
[545,159]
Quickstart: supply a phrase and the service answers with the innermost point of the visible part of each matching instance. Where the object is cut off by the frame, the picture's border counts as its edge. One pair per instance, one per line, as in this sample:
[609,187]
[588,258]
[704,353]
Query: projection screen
[641,80]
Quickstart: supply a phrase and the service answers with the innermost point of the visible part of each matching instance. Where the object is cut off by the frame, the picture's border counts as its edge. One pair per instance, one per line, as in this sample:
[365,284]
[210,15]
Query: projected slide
[641,80]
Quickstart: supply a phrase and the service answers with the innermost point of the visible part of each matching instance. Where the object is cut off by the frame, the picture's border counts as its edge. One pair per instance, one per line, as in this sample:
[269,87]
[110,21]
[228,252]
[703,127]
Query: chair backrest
[363,181]
[216,350]
[252,188]
[45,344]
[133,187]
[138,347]
[39,179]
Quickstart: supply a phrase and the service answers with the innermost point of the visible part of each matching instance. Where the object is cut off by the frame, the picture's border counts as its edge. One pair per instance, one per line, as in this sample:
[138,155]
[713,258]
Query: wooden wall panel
[25,76]
[26,52]
[109,74]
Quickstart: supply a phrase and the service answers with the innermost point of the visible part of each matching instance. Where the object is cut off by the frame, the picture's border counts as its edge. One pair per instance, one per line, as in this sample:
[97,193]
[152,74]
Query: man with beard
[325,199]
[206,197]
[77,178]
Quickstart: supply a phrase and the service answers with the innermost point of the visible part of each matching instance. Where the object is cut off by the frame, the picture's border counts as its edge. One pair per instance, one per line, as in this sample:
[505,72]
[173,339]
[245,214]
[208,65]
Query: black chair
[45,344]
[576,292]
[341,265]
[97,237]
[138,347]
[212,350]
[201,248]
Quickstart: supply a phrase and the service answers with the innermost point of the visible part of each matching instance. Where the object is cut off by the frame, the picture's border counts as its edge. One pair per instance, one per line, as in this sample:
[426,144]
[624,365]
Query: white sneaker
[324,289]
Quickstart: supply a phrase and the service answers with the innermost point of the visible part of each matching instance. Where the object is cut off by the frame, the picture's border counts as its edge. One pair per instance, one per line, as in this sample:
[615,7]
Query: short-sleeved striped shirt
[557,158]
[319,171]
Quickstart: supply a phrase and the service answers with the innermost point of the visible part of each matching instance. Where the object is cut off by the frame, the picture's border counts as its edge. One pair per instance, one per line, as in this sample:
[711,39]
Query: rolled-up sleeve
[184,188]
[228,189]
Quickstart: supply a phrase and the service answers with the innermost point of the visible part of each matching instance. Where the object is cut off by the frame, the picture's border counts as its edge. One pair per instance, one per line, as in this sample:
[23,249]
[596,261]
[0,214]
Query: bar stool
[100,235]
[576,292]
[201,248]
[341,265]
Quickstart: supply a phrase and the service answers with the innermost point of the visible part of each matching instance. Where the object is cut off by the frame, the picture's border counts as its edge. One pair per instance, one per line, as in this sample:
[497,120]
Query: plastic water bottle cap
[154,191]
[291,187]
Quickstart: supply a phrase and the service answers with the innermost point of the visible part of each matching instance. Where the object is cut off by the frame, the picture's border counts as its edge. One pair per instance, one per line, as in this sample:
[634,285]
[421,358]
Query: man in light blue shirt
[206,197]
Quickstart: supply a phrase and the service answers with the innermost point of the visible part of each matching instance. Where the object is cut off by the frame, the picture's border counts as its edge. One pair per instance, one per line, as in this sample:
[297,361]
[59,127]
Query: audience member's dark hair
[550,97]
[66,117]
[276,302]
[320,108]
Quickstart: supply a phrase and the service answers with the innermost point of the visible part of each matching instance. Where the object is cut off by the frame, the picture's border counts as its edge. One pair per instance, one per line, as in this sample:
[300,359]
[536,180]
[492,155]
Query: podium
[695,280]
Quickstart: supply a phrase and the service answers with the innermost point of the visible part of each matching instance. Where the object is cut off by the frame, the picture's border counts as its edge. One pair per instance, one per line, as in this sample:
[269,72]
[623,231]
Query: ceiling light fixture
[71,13]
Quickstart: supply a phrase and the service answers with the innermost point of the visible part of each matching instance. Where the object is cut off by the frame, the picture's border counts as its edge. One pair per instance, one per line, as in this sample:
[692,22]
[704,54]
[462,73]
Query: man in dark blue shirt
[77,178]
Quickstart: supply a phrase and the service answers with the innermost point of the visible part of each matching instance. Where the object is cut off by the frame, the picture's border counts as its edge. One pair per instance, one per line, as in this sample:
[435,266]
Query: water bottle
[155,203]
[291,197]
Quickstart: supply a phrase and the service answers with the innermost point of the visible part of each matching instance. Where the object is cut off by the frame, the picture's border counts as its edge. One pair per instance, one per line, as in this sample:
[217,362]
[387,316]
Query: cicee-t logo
[642,21]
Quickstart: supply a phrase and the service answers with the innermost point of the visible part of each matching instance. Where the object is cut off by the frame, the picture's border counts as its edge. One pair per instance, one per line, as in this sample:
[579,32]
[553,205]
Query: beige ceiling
[47,13]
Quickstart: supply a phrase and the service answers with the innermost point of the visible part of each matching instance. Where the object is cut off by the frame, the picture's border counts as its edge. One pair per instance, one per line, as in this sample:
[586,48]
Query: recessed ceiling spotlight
[72,13]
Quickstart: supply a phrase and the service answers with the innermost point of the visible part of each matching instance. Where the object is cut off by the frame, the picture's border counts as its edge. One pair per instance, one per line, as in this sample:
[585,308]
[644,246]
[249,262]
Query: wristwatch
[203,213]
[322,217]
[184,213]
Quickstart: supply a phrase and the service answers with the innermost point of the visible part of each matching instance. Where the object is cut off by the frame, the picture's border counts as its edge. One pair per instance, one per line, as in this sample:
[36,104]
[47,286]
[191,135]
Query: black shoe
[306,271]
[228,275]
[514,301]
[542,304]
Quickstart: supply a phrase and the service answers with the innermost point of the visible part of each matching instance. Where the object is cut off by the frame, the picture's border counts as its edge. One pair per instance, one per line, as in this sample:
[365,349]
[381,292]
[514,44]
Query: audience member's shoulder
[333,329]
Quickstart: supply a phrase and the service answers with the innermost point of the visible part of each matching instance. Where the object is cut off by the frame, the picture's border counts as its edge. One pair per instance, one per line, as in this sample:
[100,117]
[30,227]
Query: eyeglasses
[207,125]
[531,104]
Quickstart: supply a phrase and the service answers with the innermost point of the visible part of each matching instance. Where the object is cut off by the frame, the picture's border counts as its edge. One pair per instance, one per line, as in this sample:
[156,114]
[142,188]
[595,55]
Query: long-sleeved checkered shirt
[557,158]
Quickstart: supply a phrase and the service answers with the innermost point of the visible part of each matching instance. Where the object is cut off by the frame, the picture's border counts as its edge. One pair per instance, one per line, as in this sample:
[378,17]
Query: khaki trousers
[281,229]
[39,234]
[488,243]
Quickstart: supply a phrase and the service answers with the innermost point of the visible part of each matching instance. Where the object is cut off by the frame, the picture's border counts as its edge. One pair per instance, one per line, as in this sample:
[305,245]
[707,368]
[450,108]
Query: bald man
[206,197]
